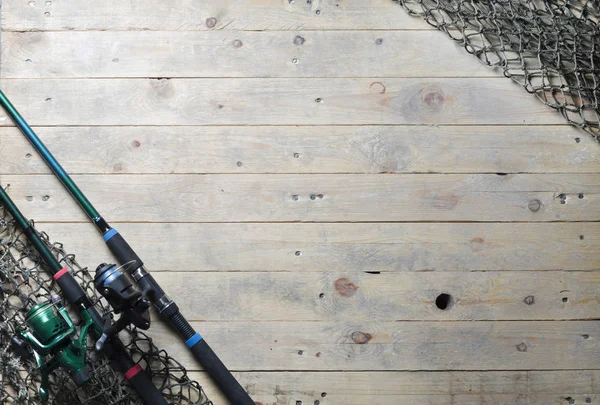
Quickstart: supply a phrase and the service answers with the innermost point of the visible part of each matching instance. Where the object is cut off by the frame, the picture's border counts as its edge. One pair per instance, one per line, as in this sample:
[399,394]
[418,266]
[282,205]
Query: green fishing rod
[41,316]
[126,256]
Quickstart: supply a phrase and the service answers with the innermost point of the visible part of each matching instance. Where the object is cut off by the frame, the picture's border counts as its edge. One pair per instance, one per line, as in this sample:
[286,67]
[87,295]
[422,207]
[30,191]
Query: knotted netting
[550,47]
[23,283]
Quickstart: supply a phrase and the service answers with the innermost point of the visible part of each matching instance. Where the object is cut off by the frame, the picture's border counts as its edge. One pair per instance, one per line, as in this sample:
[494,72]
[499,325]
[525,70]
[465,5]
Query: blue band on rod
[109,234]
[193,340]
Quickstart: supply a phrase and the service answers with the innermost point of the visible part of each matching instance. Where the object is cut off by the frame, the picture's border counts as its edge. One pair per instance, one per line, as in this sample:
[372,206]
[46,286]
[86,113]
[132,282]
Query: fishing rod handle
[121,249]
[210,362]
[136,376]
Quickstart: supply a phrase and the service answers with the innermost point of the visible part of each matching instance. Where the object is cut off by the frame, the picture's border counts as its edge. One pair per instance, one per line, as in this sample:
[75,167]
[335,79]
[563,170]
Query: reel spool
[48,328]
[124,296]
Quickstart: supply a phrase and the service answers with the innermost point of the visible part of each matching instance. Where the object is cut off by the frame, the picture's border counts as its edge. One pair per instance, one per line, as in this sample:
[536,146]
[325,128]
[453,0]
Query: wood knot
[211,22]
[345,287]
[377,86]
[477,244]
[433,99]
[534,205]
[445,202]
[521,347]
[163,87]
[361,338]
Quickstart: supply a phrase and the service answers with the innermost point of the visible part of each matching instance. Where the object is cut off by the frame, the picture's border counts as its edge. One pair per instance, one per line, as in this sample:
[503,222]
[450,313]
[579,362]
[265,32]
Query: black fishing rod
[125,255]
[75,294]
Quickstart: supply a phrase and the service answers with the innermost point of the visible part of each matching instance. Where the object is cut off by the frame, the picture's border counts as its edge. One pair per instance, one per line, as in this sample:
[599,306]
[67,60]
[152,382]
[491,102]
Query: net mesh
[23,283]
[551,47]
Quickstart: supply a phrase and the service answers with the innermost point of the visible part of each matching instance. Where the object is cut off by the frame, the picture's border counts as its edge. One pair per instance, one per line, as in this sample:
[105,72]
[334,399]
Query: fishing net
[23,283]
[550,47]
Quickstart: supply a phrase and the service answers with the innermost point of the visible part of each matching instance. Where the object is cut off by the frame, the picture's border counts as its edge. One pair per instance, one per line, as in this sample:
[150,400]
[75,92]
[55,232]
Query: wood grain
[251,15]
[227,101]
[346,149]
[342,296]
[235,54]
[321,198]
[433,388]
[352,248]
[289,346]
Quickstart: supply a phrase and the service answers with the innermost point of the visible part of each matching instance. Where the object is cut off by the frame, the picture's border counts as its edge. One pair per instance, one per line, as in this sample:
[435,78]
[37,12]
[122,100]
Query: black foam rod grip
[220,374]
[143,385]
[121,249]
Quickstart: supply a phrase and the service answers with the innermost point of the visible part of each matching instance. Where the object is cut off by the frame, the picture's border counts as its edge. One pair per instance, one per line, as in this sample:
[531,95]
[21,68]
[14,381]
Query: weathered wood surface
[343,297]
[234,54]
[352,248]
[347,149]
[201,171]
[231,101]
[432,388]
[249,15]
[484,345]
[322,198]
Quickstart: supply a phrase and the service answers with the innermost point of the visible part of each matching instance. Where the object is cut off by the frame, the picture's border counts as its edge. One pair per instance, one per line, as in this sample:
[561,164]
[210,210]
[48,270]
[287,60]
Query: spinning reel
[48,328]
[117,286]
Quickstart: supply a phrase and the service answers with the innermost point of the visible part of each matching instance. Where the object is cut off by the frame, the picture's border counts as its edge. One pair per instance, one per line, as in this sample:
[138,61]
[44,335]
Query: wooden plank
[235,54]
[341,296]
[254,15]
[324,198]
[287,346]
[371,149]
[230,101]
[352,248]
[433,388]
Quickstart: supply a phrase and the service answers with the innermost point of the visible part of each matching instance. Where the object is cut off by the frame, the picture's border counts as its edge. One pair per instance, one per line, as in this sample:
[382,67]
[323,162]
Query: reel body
[125,297]
[49,330]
